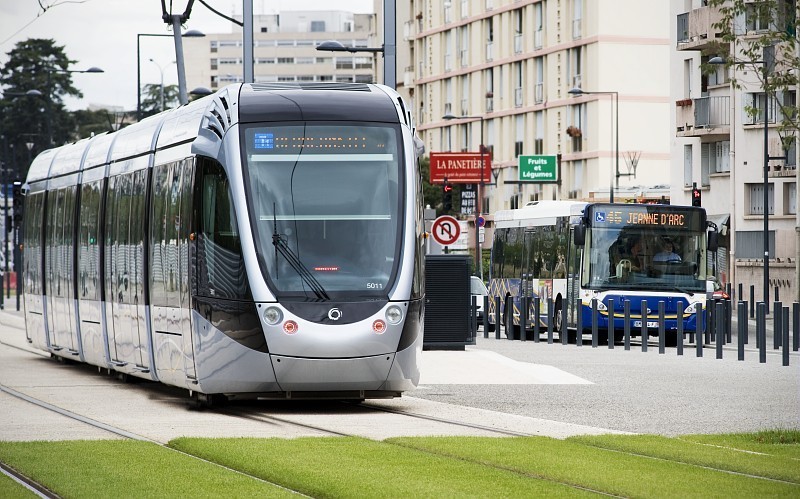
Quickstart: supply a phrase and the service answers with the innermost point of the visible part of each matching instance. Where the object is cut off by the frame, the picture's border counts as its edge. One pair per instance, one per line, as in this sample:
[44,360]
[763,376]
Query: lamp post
[161,70]
[192,33]
[93,69]
[765,64]
[615,173]
[336,46]
[479,202]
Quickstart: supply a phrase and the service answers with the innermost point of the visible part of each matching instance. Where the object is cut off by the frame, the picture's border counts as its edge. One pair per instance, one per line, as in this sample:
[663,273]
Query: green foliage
[151,98]
[747,28]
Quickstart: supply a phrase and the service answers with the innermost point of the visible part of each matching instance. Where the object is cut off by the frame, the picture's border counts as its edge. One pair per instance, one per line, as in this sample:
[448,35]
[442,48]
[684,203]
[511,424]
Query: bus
[565,251]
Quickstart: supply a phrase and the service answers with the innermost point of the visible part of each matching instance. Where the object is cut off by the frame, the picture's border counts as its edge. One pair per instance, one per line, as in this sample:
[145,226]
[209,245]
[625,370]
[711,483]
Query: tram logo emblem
[334,314]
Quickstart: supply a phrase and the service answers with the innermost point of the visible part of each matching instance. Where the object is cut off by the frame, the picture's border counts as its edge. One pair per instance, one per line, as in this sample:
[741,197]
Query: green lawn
[742,465]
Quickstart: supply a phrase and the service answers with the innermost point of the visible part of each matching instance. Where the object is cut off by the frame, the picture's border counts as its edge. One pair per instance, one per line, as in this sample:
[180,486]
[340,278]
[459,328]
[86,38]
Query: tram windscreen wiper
[294,261]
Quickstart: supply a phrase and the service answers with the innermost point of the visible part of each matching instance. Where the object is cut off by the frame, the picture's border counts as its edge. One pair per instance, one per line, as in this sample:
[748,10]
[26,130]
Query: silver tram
[265,240]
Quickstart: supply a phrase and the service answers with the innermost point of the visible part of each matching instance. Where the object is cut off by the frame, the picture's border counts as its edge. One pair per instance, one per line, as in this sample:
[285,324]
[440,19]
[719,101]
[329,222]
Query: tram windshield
[634,248]
[325,200]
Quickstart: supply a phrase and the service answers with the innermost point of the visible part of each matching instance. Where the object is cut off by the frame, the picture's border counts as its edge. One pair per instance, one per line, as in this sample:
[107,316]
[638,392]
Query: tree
[36,64]
[763,31]
[151,98]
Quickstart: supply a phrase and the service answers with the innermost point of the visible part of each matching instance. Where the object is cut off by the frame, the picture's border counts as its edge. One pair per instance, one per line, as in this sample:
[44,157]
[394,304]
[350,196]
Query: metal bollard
[777,315]
[486,316]
[761,331]
[523,318]
[712,319]
[550,321]
[728,321]
[796,328]
[579,320]
[741,334]
[473,320]
[698,335]
[645,337]
[509,317]
[785,335]
[720,324]
[594,322]
[662,328]
[679,332]
[740,296]
[627,326]
[497,318]
[537,318]
[747,324]
[777,296]
[611,326]
[752,301]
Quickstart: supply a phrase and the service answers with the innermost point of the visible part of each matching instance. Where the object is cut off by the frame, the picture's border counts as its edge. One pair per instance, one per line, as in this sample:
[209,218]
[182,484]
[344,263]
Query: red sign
[446,230]
[460,167]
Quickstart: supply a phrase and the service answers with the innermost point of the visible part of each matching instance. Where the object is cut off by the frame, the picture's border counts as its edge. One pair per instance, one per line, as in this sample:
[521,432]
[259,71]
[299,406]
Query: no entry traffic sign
[446,230]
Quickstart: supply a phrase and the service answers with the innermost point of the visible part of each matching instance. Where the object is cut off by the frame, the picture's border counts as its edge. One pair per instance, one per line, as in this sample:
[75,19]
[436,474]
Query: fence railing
[728,322]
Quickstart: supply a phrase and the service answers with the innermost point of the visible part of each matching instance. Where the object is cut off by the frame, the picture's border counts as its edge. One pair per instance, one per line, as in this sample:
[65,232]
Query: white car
[478,289]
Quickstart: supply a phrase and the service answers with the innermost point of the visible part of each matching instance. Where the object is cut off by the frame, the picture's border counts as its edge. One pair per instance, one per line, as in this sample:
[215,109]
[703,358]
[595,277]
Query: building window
[750,244]
[757,16]
[285,60]
[756,195]
[753,108]
[687,165]
[317,26]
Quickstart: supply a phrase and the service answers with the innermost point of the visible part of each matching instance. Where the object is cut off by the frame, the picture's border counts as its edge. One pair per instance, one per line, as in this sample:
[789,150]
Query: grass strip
[720,455]
[345,467]
[10,489]
[600,469]
[782,442]
[126,468]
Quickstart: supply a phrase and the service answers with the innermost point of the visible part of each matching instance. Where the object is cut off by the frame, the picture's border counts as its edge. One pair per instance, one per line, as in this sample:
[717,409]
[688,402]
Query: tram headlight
[394,315]
[273,315]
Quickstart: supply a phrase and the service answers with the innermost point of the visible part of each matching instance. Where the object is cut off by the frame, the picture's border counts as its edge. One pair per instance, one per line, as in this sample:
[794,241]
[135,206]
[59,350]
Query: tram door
[59,244]
[125,270]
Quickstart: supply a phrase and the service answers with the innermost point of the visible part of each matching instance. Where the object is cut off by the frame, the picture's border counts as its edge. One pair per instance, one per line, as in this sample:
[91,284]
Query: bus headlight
[273,315]
[394,315]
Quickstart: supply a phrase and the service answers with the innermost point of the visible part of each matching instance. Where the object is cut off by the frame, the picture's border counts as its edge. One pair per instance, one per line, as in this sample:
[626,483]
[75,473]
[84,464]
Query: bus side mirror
[713,240]
[580,235]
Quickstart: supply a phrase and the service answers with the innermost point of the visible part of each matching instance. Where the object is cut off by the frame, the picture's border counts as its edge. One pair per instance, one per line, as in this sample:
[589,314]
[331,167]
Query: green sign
[538,169]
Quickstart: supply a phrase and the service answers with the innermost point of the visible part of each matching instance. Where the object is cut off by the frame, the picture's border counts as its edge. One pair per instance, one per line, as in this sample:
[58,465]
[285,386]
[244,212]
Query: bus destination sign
[674,218]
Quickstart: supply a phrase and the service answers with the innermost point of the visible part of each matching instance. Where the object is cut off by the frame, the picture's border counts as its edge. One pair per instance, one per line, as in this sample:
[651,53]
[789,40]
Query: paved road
[537,388]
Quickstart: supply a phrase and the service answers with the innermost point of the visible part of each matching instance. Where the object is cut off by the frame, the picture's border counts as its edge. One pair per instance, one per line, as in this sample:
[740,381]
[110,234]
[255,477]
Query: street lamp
[765,63]
[479,202]
[161,70]
[614,174]
[337,46]
[93,69]
[192,33]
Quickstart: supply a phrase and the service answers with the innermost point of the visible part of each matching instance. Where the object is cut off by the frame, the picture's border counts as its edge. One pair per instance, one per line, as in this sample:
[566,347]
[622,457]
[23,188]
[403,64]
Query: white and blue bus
[570,250]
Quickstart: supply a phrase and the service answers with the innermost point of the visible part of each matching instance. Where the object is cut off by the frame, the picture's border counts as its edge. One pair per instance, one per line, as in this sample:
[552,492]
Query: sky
[102,33]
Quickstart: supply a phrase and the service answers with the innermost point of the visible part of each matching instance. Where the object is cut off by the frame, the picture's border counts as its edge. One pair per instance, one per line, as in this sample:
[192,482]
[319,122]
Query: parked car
[716,290]
[478,290]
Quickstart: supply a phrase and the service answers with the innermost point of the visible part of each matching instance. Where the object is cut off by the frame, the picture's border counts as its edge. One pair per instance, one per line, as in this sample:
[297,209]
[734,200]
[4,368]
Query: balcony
[703,117]
[696,30]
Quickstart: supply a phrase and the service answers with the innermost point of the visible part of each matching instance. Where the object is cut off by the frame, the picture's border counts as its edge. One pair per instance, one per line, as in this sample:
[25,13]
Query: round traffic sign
[446,230]
[481,221]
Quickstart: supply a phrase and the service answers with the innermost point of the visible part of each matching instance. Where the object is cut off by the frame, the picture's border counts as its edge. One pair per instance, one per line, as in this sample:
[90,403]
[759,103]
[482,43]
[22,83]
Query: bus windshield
[325,201]
[647,249]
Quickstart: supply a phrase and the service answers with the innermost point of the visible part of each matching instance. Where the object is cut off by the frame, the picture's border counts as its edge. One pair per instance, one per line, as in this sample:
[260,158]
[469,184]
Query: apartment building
[285,50]
[513,64]
[719,146]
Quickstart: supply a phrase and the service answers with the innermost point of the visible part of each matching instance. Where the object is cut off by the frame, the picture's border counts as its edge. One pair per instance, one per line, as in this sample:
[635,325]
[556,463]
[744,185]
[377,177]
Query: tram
[263,241]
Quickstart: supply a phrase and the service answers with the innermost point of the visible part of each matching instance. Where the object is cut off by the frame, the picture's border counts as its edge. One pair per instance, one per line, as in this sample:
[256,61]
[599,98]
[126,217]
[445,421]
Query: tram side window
[88,243]
[498,253]
[32,233]
[221,271]
[513,253]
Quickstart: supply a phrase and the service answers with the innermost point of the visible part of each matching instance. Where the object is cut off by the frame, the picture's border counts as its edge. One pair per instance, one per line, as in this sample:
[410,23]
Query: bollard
[741,334]
[785,334]
[549,321]
[720,324]
[662,328]
[509,317]
[594,322]
[473,320]
[679,323]
[537,318]
[711,320]
[523,319]
[777,298]
[741,291]
[645,337]
[728,321]
[697,333]
[753,302]
[579,328]
[747,324]
[611,326]
[777,315]
[486,316]
[497,318]
[627,325]
[796,328]
[761,331]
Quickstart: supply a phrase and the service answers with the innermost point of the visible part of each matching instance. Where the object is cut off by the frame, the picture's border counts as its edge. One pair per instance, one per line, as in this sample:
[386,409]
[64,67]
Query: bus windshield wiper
[678,289]
[294,261]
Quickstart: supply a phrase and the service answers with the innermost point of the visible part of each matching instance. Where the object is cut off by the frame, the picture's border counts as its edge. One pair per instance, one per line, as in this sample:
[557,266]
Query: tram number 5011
[374,285]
